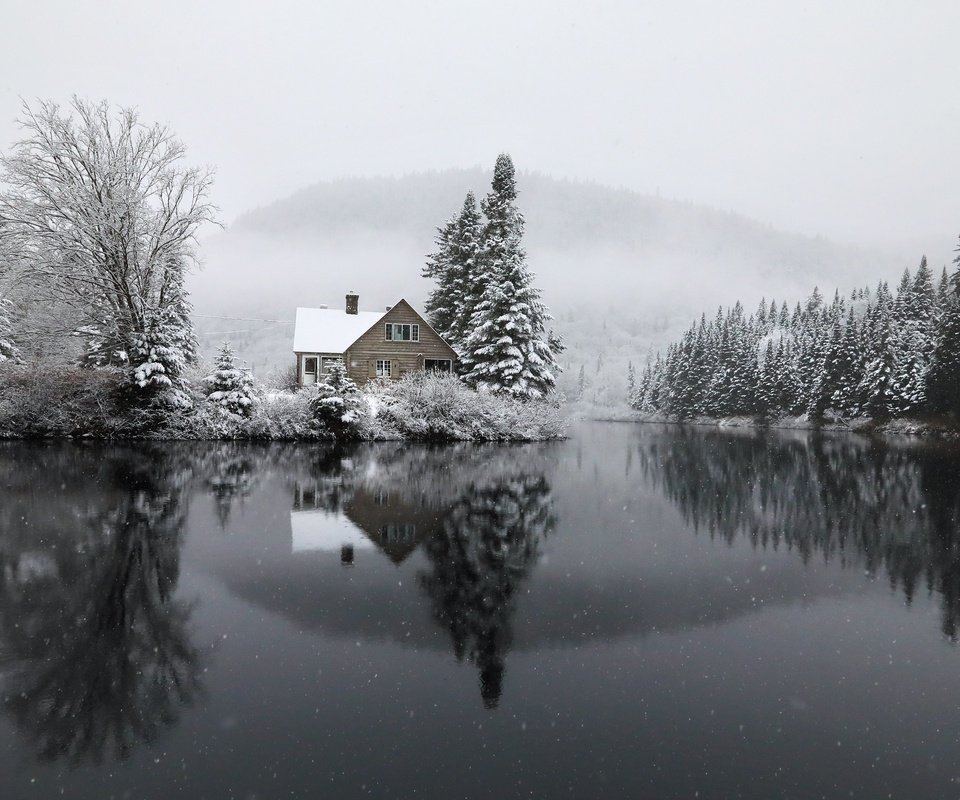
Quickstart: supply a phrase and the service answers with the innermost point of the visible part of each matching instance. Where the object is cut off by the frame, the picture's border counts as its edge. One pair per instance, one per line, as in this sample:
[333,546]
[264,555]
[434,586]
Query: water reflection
[99,653]
[478,514]
[883,507]
[486,546]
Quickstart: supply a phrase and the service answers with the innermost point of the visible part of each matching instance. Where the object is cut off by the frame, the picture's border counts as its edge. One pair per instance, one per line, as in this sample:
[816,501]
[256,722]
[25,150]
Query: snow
[330,330]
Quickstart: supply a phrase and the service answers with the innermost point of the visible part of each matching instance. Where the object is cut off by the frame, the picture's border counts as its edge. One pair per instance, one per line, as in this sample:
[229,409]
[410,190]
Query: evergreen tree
[8,347]
[631,380]
[943,378]
[338,407]
[230,387]
[943,291]
[876,388]
[506,350]
[453,266]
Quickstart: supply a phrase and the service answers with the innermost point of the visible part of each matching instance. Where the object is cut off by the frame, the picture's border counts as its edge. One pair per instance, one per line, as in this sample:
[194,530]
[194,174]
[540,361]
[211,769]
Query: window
[437,365]
[327,361]
[383,367]
[310,369]
[398,533]
[402,332]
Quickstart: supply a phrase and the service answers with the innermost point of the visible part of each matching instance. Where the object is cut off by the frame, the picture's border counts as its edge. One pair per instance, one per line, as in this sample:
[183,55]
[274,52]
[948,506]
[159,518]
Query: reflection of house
[365,519]
[396,525]
[372,344]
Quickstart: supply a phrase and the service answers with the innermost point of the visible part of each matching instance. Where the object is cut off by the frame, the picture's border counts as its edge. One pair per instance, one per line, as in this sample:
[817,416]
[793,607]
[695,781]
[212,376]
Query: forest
[875,354]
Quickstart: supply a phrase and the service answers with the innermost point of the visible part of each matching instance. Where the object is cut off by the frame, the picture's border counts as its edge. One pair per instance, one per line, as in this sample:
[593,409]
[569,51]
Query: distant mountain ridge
[559,213]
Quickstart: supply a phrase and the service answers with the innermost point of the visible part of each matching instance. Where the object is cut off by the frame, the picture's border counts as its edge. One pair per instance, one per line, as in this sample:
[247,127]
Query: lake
[639,611]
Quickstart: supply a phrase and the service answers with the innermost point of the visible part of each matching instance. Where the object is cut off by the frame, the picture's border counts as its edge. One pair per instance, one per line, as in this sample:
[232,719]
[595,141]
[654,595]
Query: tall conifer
[506,348]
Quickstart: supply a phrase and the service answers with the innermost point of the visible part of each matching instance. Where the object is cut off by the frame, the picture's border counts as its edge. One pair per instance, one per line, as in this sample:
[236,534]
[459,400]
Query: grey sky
[820,117]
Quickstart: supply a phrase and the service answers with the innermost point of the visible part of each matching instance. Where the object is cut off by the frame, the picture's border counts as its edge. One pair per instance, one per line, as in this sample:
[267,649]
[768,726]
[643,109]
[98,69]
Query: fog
[820,118]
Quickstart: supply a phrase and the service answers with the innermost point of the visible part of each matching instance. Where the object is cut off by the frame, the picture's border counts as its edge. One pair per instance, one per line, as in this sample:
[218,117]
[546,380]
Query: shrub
[65,402]
[437,407]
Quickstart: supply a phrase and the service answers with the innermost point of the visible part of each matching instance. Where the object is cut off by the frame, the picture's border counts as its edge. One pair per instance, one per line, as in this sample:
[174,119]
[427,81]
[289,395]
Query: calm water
[636,612]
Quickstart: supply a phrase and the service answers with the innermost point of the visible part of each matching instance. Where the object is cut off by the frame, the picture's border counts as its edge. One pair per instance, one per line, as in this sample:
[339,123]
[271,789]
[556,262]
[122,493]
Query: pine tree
[8,347]
[506,350]
[876,389]
[453,266]
[943,377]
[943,291]
[631,380]
[230,387]
[338,407]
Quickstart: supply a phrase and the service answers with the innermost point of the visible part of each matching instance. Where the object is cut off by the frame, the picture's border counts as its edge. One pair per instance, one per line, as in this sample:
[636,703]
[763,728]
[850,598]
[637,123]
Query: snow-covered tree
[450,305]
[338,407]
[100,216]
[8,347]
[507,349]
[230,386]
[943,378]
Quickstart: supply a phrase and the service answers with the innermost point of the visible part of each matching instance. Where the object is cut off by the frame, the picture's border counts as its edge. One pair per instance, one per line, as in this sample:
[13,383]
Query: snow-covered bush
[437,407]
[8,347]
[68,402]
[337,406]
[228,386]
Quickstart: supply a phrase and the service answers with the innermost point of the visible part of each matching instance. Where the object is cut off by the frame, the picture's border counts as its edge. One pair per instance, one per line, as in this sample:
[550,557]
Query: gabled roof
[330,330]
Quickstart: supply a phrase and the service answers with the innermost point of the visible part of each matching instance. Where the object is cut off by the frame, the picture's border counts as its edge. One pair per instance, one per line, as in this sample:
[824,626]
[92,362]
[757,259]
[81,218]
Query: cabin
[372,345]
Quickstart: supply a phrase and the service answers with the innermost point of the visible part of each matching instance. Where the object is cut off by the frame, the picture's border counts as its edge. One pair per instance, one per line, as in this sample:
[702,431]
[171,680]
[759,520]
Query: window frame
[327,361]
[390,330]
[383,368]
[308,373]
[448,370]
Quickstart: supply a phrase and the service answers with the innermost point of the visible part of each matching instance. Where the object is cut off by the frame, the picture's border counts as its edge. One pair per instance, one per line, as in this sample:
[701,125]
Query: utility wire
[246,319]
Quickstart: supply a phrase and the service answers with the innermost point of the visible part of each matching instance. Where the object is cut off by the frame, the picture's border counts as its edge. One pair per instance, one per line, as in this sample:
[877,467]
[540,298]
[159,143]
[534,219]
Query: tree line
[876,354]
[484,303]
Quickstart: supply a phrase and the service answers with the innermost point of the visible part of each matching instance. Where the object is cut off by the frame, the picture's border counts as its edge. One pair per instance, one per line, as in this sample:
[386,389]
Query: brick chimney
[353,301]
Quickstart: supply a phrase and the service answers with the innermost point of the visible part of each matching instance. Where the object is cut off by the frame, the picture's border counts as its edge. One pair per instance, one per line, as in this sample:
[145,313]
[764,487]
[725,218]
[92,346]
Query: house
[372,344]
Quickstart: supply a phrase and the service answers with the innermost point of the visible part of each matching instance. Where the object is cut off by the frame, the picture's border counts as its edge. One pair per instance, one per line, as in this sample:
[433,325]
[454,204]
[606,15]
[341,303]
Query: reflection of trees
[230,477]
[100,650]
[879,506]
[487,546]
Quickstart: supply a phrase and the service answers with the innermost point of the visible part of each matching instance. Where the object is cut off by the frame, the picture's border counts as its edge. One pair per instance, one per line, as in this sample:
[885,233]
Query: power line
[246,319]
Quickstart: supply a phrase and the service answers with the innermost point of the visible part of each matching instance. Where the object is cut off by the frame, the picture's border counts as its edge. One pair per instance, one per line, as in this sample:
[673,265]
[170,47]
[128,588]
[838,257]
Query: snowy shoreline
[859,425]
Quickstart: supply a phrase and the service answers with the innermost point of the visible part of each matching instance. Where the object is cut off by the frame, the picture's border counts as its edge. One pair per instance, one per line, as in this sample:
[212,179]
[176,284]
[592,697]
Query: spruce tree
[506,349]
[453,266]
[228,386]
[943,377]
[338,407]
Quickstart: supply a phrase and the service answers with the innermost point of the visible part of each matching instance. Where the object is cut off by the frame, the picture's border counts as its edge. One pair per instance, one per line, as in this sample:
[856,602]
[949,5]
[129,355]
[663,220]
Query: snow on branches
[230,387]
[102,215]
[485,302]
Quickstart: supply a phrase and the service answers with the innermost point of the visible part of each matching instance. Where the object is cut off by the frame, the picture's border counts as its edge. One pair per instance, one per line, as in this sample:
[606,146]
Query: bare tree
[99,215]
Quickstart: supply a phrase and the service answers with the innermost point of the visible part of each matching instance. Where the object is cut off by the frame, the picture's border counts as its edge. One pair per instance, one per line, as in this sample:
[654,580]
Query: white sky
[840,118]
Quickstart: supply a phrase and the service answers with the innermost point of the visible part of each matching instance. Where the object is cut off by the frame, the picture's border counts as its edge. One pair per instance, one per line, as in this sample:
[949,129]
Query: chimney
[352,301]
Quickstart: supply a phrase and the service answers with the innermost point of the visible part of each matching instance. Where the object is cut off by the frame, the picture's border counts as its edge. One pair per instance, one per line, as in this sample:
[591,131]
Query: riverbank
[89,404]
[863,425]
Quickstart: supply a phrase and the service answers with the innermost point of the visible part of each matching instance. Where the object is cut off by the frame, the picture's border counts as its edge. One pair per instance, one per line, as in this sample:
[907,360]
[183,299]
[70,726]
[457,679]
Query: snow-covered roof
[330,330]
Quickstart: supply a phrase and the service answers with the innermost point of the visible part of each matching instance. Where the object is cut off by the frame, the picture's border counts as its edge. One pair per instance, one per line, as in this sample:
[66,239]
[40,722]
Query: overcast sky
[840,118]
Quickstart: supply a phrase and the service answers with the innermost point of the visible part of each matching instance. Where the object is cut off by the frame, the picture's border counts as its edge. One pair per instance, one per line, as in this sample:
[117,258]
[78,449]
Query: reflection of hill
[862,503]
